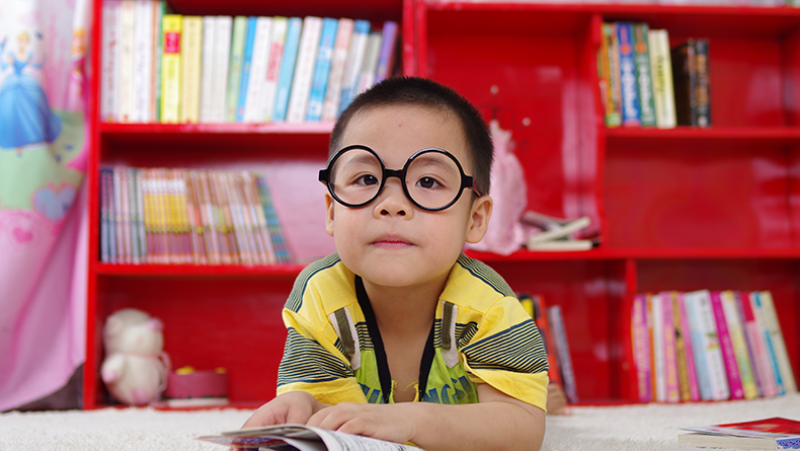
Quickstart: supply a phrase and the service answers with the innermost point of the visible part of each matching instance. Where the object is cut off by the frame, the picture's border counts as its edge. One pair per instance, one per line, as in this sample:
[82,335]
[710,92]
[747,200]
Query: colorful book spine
[142,60]
[235,67]
[277,42]
[171,68]
[105,202]
[644,79]
[222,55]
[191,57]
[206,73]
[143,238]
[661,72]
[769,347]
[562,350]
[684,75]
[716,363]
[333,93]
[127,42]
[282,254]
[659,359]
[355,58]
[110,60]
[366,77]
[688,346]
[247,62]
[641,347]
[680,348]
[726,348]
[540,319]
[702,87]
[755,348]
[610,62]
[322,68]
[133,205]
[286,73]
[736,332]
[388,50]
[627,70]
[778,343]
[253,108]
[672,385]
[700,344]
[304,69]
[155,97]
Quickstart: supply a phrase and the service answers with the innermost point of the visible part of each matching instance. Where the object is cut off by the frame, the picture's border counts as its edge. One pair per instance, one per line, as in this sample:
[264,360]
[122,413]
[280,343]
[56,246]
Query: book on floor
[302,438]
[767,433]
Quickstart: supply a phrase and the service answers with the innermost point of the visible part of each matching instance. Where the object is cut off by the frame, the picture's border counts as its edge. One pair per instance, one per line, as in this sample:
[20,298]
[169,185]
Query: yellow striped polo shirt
[481,334]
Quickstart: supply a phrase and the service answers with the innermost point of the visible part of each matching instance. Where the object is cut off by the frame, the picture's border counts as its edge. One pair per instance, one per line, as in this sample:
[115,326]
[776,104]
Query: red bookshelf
[679,209]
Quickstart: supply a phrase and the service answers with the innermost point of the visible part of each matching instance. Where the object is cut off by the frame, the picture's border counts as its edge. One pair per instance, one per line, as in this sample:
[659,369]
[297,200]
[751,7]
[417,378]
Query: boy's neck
[404,309]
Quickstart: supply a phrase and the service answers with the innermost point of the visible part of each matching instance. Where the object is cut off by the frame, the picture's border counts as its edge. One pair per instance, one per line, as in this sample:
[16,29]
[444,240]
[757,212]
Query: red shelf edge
[610,8]
[266,128]
[708,133]
[638,253]
[277,270]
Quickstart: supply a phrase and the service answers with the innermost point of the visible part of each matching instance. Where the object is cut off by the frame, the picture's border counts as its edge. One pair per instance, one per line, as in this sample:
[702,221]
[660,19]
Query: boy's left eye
[427,182]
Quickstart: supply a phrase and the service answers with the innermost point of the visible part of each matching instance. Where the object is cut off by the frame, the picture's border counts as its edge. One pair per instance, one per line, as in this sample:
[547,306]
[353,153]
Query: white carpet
[652,427]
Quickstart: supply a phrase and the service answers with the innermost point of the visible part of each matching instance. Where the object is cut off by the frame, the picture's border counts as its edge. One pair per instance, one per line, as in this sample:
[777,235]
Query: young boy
[399,314]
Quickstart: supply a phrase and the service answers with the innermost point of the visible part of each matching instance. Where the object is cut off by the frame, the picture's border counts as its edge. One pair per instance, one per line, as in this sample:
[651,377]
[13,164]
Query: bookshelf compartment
[591,295]
[555,142]
[779,276]
[209,322]
[697,197]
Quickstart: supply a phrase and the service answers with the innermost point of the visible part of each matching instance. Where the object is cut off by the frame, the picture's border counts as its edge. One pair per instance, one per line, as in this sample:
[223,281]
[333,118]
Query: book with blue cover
[627,70]
[286,73]
[247,61]
[322,69]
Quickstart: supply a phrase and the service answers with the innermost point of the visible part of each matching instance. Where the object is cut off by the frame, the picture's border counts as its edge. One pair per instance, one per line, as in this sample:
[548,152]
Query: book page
[339,441]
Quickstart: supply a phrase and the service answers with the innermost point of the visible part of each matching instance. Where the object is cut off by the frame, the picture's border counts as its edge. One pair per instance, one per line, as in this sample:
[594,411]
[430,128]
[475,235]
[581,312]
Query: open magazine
[289,437]
[768,433]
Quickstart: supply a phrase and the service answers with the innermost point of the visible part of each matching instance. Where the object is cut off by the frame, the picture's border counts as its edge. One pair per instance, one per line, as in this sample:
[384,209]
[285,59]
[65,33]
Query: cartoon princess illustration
[25,114]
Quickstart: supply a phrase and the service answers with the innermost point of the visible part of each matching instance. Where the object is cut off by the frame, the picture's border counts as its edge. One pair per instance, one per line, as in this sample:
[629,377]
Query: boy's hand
[292,407]
[381,421]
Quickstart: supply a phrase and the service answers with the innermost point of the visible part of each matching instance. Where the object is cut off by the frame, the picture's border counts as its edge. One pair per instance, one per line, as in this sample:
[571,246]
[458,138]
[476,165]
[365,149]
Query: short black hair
[424,92]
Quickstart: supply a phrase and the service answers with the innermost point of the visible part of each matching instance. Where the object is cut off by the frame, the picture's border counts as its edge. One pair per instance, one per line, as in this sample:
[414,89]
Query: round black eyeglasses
[432,179]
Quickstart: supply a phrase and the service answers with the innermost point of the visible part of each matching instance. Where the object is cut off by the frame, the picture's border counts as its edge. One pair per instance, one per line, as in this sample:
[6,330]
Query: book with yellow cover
[171,68]
[192,36]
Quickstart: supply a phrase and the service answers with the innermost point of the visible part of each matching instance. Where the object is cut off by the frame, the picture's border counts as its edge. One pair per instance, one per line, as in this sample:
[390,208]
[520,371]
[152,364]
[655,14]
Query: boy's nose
[393,201]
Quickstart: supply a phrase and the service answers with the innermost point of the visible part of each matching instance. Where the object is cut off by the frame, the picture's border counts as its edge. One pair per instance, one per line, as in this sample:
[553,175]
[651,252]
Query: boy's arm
[498,422]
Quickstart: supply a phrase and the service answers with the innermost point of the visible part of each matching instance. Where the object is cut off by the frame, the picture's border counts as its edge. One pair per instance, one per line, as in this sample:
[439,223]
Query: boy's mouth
[391,241]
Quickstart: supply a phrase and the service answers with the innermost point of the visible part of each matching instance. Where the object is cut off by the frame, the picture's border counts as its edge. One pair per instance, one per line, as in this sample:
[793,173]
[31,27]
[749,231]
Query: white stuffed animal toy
[135,369]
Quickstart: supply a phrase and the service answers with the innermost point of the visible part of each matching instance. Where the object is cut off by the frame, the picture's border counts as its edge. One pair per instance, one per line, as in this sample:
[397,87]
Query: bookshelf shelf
[145,270]
[678,209]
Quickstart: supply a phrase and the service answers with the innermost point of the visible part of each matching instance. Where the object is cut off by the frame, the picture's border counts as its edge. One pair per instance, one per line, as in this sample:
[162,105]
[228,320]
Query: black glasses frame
[466,180]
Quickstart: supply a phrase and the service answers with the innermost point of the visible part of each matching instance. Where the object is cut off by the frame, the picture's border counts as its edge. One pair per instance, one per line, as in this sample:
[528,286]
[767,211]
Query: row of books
[171,68]
[709,346]
[182,216]
[550,323]
[645,82]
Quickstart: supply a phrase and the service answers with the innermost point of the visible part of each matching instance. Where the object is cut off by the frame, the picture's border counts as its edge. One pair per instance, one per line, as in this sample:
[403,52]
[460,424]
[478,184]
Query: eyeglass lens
[432,179]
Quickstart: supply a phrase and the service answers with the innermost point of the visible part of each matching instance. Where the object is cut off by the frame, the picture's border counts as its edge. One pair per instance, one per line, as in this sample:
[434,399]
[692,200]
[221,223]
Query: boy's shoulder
[474,284]
[327,275]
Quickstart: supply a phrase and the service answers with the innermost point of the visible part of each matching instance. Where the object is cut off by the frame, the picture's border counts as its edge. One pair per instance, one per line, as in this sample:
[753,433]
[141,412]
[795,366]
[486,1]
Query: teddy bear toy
[135,368]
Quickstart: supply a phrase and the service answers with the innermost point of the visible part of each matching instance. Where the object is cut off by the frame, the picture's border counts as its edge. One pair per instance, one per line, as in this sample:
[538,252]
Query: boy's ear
[479,217]
[329,214]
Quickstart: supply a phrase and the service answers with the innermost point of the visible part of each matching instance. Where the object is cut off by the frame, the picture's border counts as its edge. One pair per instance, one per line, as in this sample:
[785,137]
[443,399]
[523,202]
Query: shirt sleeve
[313,360]
[507,353]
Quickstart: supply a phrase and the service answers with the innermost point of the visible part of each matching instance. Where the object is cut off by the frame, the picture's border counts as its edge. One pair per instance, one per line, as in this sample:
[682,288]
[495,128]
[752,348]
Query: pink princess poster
[43,151]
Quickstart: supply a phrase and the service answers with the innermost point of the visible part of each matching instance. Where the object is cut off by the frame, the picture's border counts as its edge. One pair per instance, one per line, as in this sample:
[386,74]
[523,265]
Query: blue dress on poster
[25,115]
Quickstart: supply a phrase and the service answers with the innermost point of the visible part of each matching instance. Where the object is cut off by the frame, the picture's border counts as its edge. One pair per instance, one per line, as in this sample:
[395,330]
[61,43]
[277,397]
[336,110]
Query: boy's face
[390,242]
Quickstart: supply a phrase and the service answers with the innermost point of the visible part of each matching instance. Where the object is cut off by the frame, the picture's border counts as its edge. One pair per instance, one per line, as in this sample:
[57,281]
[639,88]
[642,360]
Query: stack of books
[182,216]
[646,83]
[709,346]
[550,323]
[171,68]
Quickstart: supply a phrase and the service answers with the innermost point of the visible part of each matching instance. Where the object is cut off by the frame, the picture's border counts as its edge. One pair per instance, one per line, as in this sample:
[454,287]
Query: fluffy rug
[652,427]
